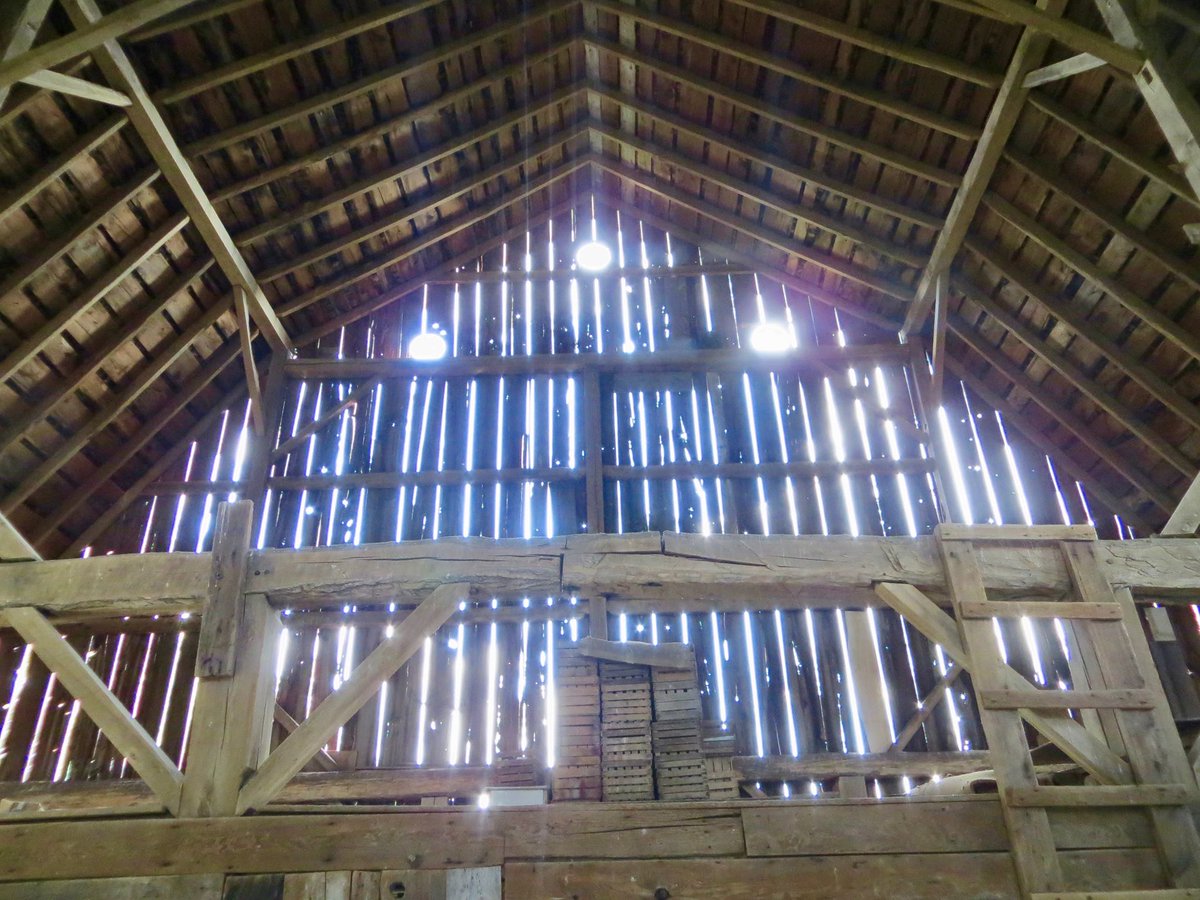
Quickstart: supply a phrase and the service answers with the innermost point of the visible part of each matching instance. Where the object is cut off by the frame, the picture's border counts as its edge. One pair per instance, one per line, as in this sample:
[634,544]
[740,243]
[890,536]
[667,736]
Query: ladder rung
[1153,894]
[1039,699]
[1038,609]
[1103,795]
[950,532]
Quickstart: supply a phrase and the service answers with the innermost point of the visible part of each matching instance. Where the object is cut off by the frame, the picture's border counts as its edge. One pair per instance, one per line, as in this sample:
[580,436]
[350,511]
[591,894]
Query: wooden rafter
[17,34]
[13,546]
[1010,99]
[149,123]
[77,87]
[88,36]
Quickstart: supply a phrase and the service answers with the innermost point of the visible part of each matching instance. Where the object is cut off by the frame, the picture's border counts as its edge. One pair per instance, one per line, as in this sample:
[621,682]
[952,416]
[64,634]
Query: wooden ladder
[1122,687]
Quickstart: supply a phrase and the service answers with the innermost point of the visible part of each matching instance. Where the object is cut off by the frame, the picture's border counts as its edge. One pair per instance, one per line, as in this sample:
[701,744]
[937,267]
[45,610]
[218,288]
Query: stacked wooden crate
[718,747]
[576,773]
[625,715]
[679,767]
[515,771]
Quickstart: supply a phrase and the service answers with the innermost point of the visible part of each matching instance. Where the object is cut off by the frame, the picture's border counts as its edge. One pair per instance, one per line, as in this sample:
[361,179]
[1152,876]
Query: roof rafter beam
[1002,118]
[1013,418]
[76,87]
[527,157]
[1064,68]
[768,270]
[782,117]
[1164,89]
[127,331]
[19,33]
[376,264]
[1085,331]
[903,212]
[1083,381]
[152,128]
[80,437]
[1127,468]
[13,546]
[130,447]
[87,37]
[756,56]
[1065,31]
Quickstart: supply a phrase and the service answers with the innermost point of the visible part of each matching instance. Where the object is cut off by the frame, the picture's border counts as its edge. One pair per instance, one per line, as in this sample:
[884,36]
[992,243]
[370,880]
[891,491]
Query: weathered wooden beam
[1084,382]
[766,159]
[87,37]
[928,704]
[1079,429]
[226,591]
[19,33]
[323,761]
[152,128]
[804,359]
[670,573]
[1185,518]
[755,56]
[77,87]
[769,112]
[113,408]
[638,653]
[664,156]
[246,332]
[110,715]
[1163,87]
[362,684]
[196,383]
[1065,31]
[824,766]
[760,234]
[13,546]
[1064,68]
[1002,118]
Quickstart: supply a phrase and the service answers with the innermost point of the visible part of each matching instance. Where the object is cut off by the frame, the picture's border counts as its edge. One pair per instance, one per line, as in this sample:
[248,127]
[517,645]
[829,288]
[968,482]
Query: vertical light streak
[454,737]
[719,668]
[423,709]
[752,671]
[793,737]
[493,664]
[405,456]
[469,455]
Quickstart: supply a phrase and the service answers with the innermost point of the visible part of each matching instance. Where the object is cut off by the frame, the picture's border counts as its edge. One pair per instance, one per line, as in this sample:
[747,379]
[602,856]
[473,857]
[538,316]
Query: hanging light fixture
[593,256]
[428,345]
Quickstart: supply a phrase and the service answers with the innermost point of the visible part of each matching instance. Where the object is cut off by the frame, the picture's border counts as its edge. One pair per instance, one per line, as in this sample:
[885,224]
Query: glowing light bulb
[427,345]
[593,256]
[770,337]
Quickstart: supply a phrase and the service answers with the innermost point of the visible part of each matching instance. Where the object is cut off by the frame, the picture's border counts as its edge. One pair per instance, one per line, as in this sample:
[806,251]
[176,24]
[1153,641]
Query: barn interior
[599,448]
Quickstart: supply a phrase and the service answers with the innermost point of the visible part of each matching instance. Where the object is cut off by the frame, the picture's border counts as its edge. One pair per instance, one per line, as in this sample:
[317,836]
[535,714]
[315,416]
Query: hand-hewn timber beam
[298,439]
[1064,68]
[13,546]
[725,250]
[81,436]
[639,573]
[153,130]
[1185,518]
[203,425]
[768,160]
[1060,412]
[77,87]
[1083,381]
[664,156]
[364,681]
[92,294]
[1137,371]
[528,157]
[1164,89]
[18,34]
[773,113]
[638,653]
[87,37]
[1065,31]
[240,68]
[375,264]
[928,704]
[1126,296]
[110,715]
[88,366]
[824,766]
[755,56]
[758,233]
[1058,726]
[246,334]
[327,99]
[213,366]
[878,43]
[291,217]
[1002,118]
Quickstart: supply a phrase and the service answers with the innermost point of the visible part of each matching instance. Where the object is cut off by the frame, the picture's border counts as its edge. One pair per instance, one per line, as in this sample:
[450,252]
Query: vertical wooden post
[923,388]
[262,445]
[231,722]
[598,617]
[593,447]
